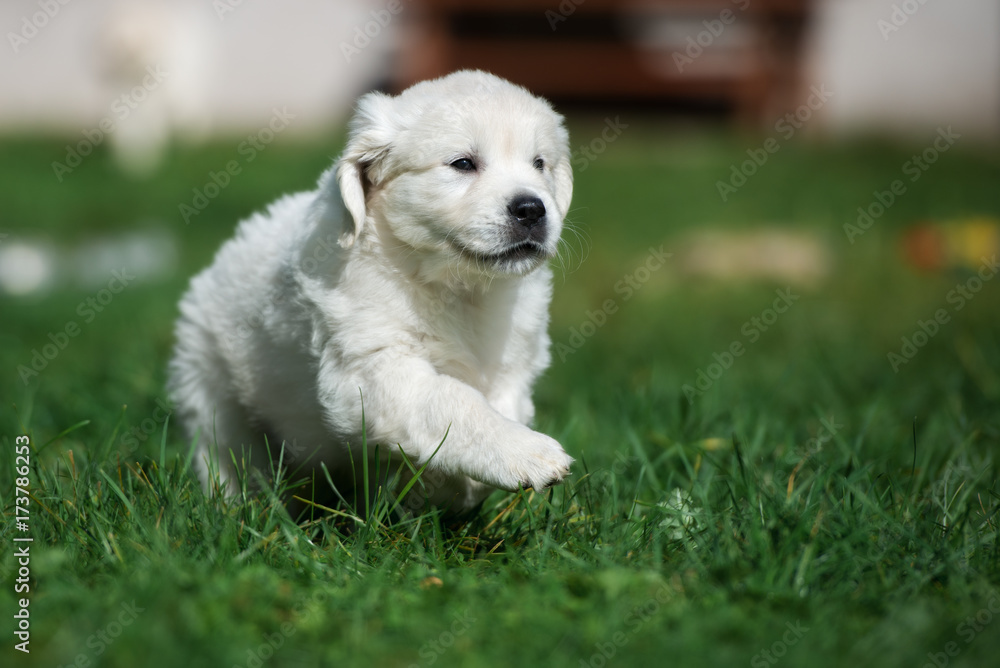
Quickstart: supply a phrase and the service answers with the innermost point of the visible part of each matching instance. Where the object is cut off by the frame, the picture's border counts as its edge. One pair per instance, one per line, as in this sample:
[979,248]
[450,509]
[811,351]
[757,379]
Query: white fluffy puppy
[411,284]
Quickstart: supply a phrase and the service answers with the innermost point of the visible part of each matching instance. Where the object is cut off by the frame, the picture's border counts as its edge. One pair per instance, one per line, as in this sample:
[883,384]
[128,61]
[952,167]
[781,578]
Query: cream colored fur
[385,288]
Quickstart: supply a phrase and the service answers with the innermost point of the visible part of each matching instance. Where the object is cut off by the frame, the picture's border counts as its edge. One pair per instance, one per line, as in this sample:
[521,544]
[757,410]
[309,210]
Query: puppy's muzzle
[528,212]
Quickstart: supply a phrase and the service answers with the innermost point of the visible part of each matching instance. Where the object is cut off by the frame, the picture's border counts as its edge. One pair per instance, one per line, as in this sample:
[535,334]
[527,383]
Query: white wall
[227,70]
[229,62]
[940,67]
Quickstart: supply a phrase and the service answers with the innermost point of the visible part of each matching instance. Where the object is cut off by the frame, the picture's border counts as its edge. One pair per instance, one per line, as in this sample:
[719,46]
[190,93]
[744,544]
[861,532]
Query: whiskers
[573,248]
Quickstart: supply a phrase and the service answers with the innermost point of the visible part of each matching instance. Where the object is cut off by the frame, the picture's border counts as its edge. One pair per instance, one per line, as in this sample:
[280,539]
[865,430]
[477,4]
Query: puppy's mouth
[511,257]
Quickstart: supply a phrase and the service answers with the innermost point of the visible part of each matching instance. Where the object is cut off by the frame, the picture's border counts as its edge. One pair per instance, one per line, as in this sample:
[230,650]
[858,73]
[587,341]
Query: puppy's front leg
[407,402]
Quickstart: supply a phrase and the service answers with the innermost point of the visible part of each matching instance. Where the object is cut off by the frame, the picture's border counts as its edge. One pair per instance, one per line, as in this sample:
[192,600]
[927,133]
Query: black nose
[527,209]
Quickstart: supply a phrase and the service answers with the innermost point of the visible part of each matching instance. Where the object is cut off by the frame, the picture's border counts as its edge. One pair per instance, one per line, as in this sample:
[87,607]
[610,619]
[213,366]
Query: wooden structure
[744,54]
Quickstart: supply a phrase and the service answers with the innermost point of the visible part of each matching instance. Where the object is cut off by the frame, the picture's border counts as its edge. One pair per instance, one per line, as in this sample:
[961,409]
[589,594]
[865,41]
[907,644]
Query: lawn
[807,501]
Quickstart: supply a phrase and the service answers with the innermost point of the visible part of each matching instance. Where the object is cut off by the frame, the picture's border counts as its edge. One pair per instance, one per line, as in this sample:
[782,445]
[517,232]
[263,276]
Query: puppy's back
[229,318]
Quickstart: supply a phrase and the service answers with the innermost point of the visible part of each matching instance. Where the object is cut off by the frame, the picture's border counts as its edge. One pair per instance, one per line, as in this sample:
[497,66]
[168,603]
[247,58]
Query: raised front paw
[534,461]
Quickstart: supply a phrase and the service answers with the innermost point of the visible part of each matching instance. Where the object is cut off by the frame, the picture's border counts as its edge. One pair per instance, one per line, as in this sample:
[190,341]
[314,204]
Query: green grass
[811,503]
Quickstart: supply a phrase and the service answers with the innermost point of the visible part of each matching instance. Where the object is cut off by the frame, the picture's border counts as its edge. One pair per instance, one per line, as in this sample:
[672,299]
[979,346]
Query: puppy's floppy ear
[362,165]
[563,173]
[562,170]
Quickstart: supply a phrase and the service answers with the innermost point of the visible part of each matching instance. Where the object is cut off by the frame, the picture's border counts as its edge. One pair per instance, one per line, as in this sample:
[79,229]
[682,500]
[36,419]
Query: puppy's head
[470,171]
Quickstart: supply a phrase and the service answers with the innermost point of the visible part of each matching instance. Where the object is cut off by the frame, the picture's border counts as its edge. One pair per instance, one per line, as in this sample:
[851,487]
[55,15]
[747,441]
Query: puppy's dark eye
[539,164]
[464,165]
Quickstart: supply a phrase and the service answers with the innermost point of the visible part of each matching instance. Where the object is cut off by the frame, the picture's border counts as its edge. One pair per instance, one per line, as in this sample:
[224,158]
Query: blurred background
[895,65]
[826,145]
[133,78]
[784,233]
